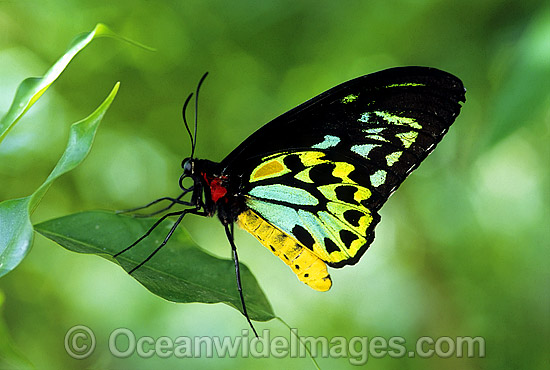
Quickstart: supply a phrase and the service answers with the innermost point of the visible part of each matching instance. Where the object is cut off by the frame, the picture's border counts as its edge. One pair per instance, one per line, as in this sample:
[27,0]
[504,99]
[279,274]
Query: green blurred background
[462,247]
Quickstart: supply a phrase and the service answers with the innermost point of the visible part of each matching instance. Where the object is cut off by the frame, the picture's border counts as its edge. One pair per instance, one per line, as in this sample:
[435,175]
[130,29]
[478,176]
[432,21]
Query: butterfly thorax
[213,191]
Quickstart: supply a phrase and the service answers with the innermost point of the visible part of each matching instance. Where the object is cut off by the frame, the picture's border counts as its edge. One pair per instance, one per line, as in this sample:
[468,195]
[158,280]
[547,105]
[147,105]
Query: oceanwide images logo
[80,343]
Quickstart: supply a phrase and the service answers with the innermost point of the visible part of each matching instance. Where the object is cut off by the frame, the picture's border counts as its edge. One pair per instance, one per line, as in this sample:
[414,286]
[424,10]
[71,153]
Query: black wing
[322,170]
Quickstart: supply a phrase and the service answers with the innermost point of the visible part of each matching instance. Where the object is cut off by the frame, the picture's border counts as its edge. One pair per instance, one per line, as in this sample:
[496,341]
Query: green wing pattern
[330,217]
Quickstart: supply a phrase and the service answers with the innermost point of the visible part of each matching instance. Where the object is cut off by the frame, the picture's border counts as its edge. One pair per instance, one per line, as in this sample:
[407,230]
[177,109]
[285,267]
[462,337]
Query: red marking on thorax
[217,191]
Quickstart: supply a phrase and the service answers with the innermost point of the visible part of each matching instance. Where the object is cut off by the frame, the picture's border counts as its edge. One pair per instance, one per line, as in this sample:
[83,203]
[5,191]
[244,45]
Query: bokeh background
[462,249]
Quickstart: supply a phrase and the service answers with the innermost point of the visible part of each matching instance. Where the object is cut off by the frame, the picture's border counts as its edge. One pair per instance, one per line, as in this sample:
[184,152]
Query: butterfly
[309,184]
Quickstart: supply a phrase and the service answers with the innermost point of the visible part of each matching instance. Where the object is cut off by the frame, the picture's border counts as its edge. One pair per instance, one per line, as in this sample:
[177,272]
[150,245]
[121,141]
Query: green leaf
[16,231]
[180,272]
[30,90]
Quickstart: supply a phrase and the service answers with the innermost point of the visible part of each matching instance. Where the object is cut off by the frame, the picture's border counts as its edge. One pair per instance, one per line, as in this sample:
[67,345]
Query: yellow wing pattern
[309,268]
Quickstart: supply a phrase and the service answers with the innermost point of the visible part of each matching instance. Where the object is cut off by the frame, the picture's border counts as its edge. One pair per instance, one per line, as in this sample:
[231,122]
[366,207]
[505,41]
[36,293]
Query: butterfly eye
[187,166]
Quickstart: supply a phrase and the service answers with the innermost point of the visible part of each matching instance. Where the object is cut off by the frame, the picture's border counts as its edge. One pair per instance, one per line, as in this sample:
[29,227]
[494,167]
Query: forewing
[398,105]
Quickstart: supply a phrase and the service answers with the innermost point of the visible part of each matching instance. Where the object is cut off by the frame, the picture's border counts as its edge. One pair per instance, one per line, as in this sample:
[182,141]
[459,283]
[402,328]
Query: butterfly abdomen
[309,268]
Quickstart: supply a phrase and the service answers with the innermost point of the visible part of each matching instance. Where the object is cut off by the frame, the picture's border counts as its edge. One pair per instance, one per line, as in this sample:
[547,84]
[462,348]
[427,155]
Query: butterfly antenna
[197,111]
[183,111]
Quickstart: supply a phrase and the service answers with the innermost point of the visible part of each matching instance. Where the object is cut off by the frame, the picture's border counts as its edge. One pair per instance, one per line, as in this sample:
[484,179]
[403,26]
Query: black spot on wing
[303,236]
[293,163]
[331,246]
[347,237]
[361,176]
[353,216]
[321,174]
[345,194]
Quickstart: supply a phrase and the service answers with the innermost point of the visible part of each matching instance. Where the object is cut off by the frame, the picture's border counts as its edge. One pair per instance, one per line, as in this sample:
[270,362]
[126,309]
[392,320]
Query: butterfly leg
[181,214]
[229,233]
[173,201]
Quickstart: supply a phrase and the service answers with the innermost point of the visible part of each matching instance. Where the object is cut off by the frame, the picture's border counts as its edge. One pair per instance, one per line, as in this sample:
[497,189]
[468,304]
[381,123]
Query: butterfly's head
[188,165]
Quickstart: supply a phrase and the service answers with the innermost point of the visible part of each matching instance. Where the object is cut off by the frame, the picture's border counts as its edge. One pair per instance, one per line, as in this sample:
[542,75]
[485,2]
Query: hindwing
[323,201]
